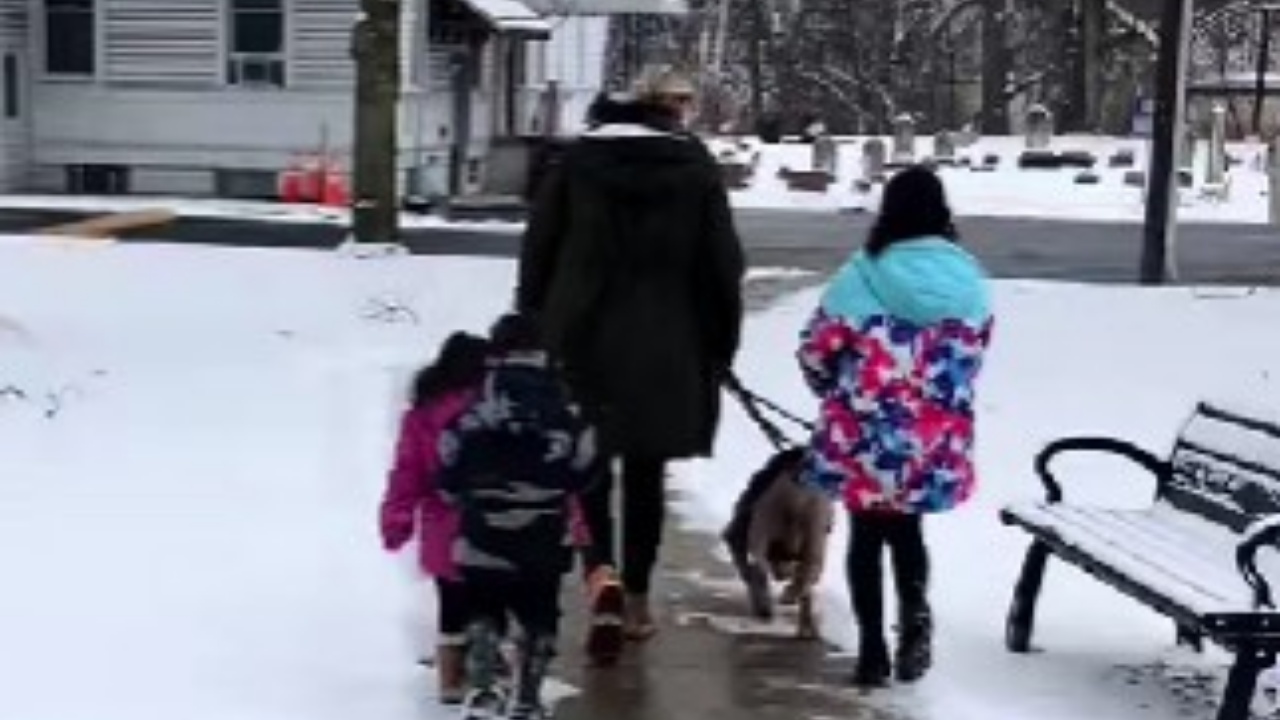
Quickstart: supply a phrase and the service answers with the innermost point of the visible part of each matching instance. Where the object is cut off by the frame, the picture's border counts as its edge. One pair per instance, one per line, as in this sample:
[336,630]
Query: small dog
[782,526]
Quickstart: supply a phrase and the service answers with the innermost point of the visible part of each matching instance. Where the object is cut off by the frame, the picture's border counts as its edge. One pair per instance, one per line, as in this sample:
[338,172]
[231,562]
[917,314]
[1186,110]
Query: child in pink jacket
[413,504]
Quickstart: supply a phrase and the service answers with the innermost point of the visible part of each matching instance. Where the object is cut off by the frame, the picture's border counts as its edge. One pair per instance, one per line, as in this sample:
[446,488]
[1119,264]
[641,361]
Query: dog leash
[752,403]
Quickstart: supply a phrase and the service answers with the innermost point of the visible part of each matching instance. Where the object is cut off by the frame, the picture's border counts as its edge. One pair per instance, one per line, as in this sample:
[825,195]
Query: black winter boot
[914,656]
[873,668]
[914,653]
[536,653]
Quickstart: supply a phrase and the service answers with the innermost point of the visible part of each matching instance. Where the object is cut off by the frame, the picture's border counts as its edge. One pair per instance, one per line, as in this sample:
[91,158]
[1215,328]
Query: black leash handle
[752,402]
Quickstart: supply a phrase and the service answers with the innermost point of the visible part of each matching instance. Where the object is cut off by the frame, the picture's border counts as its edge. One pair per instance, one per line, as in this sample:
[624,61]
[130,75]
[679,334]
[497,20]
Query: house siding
[320,44]
[15,133]
[162,42]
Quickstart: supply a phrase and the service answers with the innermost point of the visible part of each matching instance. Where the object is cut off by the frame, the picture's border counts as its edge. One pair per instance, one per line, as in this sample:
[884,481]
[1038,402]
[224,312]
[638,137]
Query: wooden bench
[105,226]
[1201,554]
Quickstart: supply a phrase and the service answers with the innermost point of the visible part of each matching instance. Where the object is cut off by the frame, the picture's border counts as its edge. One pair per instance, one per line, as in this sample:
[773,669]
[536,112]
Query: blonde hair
[662,80]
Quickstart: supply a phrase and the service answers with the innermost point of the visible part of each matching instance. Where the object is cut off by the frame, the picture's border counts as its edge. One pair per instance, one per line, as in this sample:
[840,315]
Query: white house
[216,97]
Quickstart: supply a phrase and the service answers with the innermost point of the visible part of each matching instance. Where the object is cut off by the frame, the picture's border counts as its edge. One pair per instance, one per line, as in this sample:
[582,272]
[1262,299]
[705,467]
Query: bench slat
[1197,570]
[1252,440]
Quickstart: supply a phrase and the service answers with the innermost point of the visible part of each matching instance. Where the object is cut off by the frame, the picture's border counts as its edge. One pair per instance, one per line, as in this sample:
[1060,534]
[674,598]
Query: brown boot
[605,636]
[451,670]
[638,624]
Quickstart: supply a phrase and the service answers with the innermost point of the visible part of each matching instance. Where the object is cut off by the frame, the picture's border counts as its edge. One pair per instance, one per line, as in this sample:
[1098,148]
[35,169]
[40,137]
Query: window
[12,89]
[257,43]
[68,37]
[97,179]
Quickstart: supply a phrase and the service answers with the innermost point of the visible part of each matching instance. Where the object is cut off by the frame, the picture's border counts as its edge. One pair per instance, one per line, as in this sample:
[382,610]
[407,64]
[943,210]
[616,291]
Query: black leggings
[904,535]
[643,516]
[454,611]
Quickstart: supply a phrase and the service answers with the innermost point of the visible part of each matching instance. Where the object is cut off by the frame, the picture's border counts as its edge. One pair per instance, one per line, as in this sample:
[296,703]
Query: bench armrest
[1053,491]
[1263,532]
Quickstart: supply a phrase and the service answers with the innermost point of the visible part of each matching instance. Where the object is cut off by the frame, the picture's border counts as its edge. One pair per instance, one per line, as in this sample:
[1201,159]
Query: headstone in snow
[826,156]
[1123,158]
[1186,147]
[944,148]
[1039,127]
[904,140]
[1216,169]
[873,160]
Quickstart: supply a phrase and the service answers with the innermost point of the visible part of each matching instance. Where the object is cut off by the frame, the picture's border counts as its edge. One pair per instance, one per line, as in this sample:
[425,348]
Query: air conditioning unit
[256,70]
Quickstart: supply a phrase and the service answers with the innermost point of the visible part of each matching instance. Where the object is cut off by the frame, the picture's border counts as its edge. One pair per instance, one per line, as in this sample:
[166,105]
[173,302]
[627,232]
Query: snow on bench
[1203,554]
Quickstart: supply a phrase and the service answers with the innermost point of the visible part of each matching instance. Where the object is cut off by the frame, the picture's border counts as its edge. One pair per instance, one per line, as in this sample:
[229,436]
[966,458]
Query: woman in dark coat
[633,268]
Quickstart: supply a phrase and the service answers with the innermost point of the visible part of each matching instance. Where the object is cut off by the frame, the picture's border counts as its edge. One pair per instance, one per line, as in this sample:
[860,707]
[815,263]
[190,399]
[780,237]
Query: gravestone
[873,160]
[1215,173]
[1186,148]
[904,140]
[1039,128]
[825,156]
[1123,158]
[944,148]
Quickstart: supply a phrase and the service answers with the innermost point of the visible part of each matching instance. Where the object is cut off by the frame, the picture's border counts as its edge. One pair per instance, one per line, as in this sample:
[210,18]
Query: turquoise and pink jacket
[893,354]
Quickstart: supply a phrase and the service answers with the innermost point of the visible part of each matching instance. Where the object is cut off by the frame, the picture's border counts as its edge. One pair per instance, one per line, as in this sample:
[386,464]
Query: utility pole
[1160,224]
[755,57]
[375,47]
[995,67]
[1093,32]
[1263,61]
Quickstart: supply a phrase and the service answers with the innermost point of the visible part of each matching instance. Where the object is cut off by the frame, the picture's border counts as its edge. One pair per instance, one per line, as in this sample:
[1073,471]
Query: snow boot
[536,653]
[451,669]
[605,637]
[486,698]
[914,655]
[485,704]
[873,669]
[638,624]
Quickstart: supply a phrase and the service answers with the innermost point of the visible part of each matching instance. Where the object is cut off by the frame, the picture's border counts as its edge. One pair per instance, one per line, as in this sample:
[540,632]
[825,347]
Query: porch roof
[512,17]
[610,7]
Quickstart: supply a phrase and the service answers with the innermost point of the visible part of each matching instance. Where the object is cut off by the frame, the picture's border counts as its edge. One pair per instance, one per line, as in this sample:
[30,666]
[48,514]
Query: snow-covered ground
[1067,359]
[1006,192]
[1009,191]
[258,211]
[193,442]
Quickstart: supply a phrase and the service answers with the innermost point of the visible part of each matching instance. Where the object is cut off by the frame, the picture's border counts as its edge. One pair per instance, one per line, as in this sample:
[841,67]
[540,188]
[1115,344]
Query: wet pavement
[1012,248]
[708,660]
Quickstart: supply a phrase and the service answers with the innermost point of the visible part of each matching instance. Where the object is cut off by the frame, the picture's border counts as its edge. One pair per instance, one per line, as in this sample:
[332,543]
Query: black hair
[460,364]
[515,332]
[914,205]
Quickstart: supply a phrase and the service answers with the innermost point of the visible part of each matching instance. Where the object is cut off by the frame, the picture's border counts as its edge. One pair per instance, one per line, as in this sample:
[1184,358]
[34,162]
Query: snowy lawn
[1007,192]
[1011,192]
[193,442]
